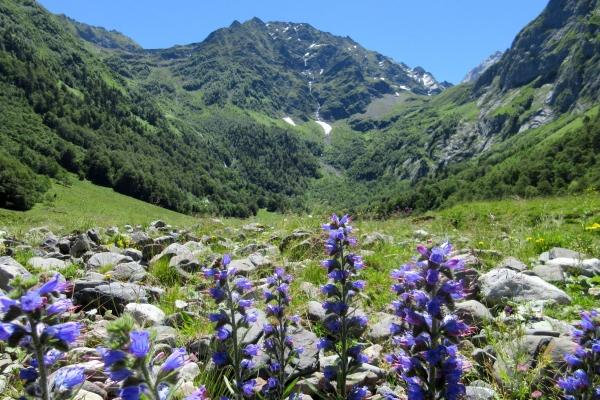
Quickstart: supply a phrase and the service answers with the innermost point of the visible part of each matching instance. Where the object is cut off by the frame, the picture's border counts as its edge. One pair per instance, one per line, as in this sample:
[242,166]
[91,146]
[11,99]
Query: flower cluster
[342,321]
[32,320]
[130,360]
[235,313]
[586,375]
[428,359]
[279,345]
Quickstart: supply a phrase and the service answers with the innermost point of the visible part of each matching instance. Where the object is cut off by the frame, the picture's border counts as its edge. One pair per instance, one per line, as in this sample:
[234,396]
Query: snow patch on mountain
[289,121]
[326,127]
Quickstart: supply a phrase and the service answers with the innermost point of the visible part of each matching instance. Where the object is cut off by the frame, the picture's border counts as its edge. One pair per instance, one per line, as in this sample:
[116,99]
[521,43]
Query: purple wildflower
[249,387]
[175,361]
[131,392]
[139,346]
[220,358]
[200,394]
[59,307]
[31,301]
[68,331]
[111,356]
[251,350]
[222,333]
[52,285]
[243,283]
[68,377]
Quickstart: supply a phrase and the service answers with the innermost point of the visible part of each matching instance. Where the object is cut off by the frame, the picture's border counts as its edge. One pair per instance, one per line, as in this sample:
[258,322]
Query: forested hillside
[65,110]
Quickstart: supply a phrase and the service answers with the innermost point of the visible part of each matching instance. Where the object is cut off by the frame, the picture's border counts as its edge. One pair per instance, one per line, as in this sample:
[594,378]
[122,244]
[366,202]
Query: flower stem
[149,382]
[39,354]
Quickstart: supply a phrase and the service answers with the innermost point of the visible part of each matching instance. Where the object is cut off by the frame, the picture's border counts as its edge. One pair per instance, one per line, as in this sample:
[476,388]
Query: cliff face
[476,72]
[560,48]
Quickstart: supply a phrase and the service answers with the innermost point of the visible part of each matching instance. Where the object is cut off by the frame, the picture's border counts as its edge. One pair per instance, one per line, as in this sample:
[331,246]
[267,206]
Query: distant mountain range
[207,127]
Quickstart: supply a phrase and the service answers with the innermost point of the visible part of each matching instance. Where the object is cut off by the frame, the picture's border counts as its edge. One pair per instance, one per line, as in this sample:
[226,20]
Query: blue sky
[446,37]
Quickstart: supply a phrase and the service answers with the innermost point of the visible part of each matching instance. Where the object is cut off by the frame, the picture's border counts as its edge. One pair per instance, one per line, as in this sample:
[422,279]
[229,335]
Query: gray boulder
[113,296]
[140,239]
[80,246]
[473,312]
[145,314]
[135,254]
[174,249]
[94,235]
[506,283]
[513,263]
[380,331]
[130,272]
[46,264]
[100,260]
[549,273]
[10,271]
[589,267]
[49,242]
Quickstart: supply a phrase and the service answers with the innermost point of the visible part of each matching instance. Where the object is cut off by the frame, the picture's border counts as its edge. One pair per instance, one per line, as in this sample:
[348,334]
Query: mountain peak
[476,72]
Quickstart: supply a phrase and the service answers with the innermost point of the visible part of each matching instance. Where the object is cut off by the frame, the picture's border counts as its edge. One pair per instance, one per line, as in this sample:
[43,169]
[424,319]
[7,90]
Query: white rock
[588,267]
[85,395]
[145,314]
[46,264]
[8,272]
[506,283]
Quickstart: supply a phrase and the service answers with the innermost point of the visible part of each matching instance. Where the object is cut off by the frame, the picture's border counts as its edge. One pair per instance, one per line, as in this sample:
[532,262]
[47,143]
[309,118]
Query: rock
[49,242]
[112,231]
[80,245]
[420,234]
[512,263]
[165,335]
[473,313]
[94,236]
[506,283]
[297,235]
[46,264]
[100,260]
[174,249]
[549,273]
[309,290]
[374,354]
[165,240]
[129,272]
[64,246]
[589,267]
[243,266]
[90,387]
[315,311]
[85,395]
[140,239]
[8,272]
[375,237]
[253,227]
[145,314]
[158,224]
[594,292]
[559,252]
[480,393]
[311,386]
[150,251]
[134,254]
[259,261]
[186,262]
[380,331]
[189,372]
[128,228]
[89,281]
[113,296]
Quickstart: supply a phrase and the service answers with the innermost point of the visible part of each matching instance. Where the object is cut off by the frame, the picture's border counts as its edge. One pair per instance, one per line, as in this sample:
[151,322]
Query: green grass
[84,205]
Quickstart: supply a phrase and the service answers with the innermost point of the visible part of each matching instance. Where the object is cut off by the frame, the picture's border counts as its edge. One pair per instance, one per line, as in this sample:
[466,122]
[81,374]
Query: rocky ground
[113,270]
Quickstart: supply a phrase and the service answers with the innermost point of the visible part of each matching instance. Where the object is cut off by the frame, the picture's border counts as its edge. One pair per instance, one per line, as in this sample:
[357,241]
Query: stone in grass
[473,313]
[589,267]
[513,263]
[549,273]
[100,260]
[46,264]
[380,331]
[8,272]
[145,314]
[113,296]
[502,283]
[129,272]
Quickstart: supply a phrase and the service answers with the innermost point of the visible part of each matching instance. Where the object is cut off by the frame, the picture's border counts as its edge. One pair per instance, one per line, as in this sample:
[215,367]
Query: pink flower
[536,394]
[522,367]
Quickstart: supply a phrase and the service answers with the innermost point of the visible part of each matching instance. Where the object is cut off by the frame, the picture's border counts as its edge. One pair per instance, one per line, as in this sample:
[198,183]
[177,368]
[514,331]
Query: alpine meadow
[277,212]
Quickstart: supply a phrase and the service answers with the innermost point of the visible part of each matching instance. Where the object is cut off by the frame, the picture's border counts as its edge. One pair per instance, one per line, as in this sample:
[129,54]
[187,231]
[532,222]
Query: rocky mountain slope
[476,72]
